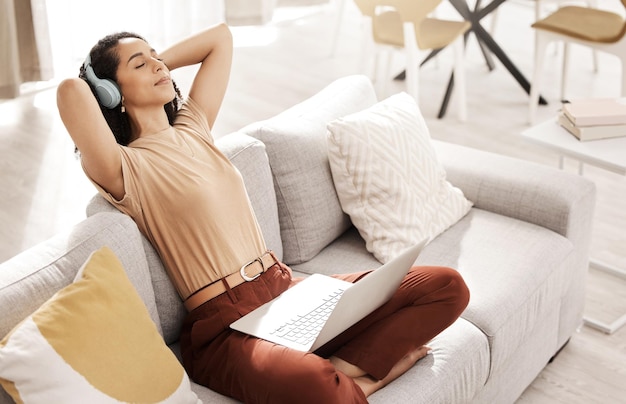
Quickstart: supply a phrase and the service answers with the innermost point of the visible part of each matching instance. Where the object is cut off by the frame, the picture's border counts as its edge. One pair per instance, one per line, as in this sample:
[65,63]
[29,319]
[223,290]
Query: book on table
[596,111]
[594,132]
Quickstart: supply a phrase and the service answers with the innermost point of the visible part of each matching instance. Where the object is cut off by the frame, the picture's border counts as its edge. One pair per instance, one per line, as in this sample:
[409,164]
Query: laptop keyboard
[303,329]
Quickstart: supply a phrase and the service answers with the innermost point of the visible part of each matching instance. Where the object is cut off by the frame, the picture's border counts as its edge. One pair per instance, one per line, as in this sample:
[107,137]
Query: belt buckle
[242,271]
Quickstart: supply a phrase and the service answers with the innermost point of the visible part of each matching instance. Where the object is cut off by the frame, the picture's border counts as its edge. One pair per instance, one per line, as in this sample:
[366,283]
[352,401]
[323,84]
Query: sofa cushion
[32,277]
[389,179]
[516,273]
[455,371]
[93,341]
[345,255]
[309,211]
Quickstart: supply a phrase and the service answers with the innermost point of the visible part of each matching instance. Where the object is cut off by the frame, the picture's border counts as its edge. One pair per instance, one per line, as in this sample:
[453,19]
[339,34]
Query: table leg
[475,19]
[604,327]
[432,54]
[488,59]
[485,39]
[446,98]
[608,328]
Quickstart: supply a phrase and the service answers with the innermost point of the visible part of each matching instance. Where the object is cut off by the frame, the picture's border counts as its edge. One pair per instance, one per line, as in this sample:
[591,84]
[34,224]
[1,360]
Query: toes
[419,353]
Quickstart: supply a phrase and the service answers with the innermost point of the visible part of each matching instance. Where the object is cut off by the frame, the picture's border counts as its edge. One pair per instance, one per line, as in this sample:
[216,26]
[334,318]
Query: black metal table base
[488,47]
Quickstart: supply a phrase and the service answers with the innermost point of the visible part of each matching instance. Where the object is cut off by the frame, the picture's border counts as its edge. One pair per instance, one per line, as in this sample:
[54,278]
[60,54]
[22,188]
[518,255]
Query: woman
[153,157]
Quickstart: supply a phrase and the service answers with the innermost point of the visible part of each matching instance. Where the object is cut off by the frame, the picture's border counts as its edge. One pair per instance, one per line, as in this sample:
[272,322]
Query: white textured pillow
[388,177]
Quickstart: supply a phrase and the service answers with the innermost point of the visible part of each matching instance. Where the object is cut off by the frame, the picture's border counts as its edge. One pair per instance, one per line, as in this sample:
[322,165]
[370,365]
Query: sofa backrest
[309,211]
[250,157]
[33,276]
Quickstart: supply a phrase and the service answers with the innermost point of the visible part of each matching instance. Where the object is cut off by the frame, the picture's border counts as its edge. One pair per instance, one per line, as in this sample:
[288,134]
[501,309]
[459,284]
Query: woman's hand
[213,48]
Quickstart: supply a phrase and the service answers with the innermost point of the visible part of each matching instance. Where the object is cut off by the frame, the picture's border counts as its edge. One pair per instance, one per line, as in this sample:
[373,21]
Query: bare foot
[367,383]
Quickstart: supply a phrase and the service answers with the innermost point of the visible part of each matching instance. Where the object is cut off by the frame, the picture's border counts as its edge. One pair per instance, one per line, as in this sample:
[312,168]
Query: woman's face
[144,80]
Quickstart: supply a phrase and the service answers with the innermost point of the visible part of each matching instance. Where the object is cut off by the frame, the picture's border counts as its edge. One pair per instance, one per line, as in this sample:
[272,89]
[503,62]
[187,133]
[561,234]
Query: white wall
[75,26]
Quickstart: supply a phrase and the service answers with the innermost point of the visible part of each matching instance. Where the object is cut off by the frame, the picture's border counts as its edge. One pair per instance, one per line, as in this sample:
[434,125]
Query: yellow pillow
[93,341]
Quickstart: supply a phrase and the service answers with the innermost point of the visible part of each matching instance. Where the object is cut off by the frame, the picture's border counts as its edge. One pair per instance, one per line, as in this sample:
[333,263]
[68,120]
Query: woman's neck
[145,122]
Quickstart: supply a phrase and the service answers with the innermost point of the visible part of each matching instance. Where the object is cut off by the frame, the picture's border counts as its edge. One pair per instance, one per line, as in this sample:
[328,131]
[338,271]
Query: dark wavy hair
[104,61]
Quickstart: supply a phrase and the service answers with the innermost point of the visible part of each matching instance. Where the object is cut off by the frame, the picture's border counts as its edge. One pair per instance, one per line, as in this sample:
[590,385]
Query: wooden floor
[280,64]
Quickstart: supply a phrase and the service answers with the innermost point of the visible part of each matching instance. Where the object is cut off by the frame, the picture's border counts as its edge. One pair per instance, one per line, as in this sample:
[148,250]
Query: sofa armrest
[545,196]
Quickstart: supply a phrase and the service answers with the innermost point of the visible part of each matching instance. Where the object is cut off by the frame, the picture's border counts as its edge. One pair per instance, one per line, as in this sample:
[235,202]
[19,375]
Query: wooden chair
[545,7]
[540,10]
[405,25]
[597,29]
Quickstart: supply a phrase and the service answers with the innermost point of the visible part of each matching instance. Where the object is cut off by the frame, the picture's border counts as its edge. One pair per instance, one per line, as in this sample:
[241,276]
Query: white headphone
[107,91]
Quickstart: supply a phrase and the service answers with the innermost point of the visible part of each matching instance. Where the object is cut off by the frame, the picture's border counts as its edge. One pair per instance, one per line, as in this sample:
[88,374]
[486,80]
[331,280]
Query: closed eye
[140,66]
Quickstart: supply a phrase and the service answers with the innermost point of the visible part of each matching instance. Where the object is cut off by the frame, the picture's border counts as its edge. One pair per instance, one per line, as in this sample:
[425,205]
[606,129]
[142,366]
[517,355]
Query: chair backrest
[367,7]
[388,17]
[409,10]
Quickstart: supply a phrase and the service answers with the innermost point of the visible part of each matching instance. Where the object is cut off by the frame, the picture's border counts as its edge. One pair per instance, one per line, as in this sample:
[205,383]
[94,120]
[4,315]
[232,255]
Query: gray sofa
[522,249]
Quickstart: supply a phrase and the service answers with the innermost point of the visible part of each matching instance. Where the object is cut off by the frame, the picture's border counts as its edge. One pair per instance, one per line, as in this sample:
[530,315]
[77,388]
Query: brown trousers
[257,371]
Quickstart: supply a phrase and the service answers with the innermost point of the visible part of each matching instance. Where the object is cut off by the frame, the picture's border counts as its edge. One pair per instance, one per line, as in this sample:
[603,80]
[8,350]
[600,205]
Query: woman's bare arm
[213,48]
[92,136]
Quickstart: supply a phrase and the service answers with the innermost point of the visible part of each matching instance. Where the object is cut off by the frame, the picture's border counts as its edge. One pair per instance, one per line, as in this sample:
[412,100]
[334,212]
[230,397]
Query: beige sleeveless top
[189,201]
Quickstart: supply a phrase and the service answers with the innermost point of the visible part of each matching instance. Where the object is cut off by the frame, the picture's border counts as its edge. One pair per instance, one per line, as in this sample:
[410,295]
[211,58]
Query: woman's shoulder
[192,119]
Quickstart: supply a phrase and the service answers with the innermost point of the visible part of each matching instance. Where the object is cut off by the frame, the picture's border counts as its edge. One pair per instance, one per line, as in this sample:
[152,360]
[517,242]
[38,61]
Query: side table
[608,154]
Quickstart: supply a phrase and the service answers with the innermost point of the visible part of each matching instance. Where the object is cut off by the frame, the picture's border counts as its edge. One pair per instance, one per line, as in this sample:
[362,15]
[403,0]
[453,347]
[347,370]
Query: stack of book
[593,119]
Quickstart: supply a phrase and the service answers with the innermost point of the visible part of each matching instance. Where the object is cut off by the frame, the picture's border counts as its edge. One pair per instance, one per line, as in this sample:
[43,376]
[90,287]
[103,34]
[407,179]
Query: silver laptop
[320,307]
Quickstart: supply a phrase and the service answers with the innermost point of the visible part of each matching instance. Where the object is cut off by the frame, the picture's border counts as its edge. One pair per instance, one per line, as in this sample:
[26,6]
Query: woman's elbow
[69,90]
[226,36]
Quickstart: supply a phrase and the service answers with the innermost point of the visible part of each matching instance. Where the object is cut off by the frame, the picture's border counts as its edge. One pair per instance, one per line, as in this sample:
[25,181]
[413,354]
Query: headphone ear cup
[108,92]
